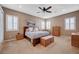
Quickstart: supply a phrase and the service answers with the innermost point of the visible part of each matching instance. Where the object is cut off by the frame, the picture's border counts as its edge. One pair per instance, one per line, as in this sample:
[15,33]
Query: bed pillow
[30,29]
[36,29]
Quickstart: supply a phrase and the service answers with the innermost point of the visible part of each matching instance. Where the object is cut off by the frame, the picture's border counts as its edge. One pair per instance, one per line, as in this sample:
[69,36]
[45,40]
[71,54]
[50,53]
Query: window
[11,23]
[48,24]
[43,25]
[70,23]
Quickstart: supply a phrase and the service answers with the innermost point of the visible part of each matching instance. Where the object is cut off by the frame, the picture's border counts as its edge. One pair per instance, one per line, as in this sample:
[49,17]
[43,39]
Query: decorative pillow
[36,29]
[30,29]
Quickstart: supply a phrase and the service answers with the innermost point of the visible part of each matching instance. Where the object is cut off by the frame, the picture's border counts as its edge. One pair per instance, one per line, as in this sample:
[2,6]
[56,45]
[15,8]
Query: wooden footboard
[36,41]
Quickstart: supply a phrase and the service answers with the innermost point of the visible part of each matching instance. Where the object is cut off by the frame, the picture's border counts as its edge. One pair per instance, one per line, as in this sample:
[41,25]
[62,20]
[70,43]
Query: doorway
[1,25]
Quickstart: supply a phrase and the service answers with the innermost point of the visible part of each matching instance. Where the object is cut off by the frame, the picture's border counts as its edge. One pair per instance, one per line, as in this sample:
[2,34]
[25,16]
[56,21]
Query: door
[1,26]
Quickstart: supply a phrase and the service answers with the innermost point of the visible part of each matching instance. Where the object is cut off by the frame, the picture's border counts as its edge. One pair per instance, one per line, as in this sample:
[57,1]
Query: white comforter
[37,34]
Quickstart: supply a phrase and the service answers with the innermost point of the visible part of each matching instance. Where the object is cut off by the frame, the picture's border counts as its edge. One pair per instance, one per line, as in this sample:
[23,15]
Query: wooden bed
[35,41]
[34,36]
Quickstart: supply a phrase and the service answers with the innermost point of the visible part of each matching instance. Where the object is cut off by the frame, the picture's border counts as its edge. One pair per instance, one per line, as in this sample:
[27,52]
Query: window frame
[48,25]
[43,22]
[12,29]
[70,18]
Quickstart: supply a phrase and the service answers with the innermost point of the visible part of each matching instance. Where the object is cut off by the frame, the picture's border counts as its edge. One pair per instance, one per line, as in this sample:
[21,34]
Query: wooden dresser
[75,39]
[56,31]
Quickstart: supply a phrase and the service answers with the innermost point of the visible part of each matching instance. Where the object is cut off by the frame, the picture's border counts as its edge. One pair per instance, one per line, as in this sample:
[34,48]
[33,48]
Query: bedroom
[39,19]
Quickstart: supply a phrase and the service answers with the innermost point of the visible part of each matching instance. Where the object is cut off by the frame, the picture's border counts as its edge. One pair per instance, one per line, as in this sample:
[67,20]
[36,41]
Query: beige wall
[22,21]
[60,21]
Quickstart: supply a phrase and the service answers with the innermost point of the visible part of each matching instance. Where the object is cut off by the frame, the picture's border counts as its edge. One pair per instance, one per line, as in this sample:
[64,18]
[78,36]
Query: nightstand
[19,36]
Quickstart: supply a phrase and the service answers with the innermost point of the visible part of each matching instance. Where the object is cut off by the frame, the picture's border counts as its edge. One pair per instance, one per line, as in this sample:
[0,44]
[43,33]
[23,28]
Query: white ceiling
[32,9]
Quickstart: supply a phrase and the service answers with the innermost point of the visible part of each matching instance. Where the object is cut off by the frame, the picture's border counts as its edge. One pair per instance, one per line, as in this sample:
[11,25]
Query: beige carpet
[61,45]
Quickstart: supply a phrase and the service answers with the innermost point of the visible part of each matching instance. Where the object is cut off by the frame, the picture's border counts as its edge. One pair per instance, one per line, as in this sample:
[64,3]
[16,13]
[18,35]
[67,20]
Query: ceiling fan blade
[38,12]
[49,11]
[49,7]
[40,8]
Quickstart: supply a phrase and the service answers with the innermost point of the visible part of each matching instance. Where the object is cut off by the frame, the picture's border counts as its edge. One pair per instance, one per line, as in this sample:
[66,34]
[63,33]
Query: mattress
[37,34]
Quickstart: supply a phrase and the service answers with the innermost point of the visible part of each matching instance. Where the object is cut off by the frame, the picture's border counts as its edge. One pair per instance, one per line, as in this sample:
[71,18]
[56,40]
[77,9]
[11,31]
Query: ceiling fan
[45,9]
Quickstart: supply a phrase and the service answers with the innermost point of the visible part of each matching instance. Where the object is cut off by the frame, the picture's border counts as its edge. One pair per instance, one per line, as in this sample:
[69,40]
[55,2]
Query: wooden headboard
[25,27]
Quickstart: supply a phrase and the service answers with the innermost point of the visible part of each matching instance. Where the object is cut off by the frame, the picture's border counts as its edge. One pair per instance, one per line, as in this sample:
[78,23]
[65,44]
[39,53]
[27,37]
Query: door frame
[3,23]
